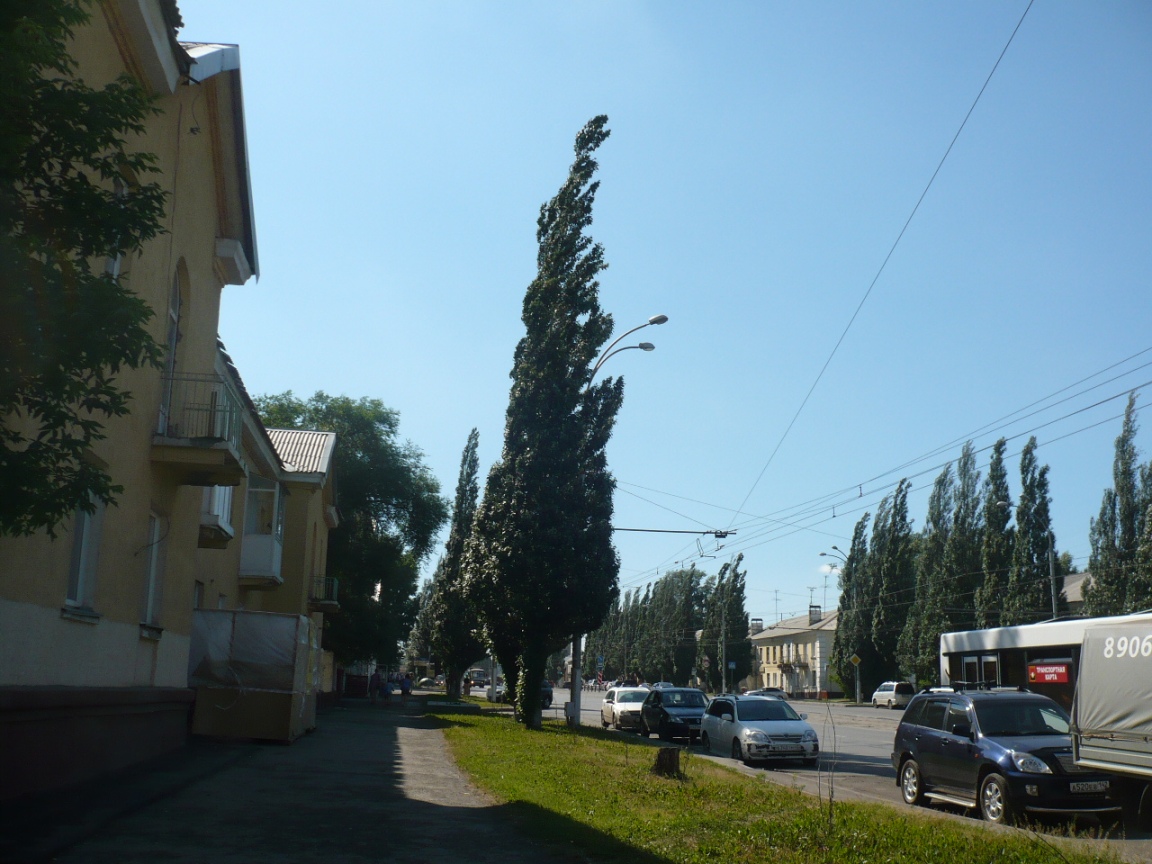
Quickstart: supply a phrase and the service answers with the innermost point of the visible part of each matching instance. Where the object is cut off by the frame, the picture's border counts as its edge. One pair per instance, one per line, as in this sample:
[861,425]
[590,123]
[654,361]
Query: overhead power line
[884,263]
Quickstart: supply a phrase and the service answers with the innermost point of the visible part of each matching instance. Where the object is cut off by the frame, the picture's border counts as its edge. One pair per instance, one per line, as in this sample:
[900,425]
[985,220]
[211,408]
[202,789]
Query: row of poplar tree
[973,565]
[653,635]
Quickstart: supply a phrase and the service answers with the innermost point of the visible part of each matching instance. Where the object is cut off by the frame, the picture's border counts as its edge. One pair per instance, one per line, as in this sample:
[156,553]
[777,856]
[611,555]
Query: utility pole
[1052,572]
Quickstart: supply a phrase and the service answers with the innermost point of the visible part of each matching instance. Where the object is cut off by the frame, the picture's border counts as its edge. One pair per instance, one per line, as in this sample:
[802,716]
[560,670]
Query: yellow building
[95,625]
[794,654]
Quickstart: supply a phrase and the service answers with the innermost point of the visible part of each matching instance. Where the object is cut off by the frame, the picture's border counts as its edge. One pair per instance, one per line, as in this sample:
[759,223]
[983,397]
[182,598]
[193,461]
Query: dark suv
[1002,751]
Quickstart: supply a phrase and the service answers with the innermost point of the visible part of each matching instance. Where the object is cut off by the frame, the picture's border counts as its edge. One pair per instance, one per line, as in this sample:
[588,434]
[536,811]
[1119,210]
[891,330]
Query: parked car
[893,694]
[1004,752]
[672,712]
[621,707]
[758,729]
[770,692]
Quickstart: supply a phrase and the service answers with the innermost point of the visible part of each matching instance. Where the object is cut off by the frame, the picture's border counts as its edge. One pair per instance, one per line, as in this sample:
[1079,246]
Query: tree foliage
[390,511]
[1027,595]
[929,616]
[540,565]
[854,619]
[997,542]
[725,638]
[73,198]
[1120,580]
[452,620]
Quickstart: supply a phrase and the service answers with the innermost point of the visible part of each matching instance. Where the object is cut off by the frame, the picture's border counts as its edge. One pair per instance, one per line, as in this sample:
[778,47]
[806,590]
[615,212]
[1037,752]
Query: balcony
[198,433]
[322,594]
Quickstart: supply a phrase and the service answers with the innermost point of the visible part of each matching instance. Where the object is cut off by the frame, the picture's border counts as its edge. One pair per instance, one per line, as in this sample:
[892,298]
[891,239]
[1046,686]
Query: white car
[621,707]
[758,729]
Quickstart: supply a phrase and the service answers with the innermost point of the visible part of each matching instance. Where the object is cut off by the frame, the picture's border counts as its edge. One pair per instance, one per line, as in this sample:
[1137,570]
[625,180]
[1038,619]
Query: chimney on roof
[814,615]
[755,626]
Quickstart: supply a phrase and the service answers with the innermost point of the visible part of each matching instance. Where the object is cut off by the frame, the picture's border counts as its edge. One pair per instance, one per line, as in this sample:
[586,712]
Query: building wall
[97,684]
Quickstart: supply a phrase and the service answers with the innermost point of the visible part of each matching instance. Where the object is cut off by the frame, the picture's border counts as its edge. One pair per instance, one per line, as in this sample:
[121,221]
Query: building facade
[794,654]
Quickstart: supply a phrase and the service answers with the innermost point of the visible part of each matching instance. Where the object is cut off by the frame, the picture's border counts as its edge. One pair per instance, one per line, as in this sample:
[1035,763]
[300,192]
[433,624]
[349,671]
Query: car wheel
[994,803]
[890,705]
[911,786]
[874,705]
[644,730]
[705,743]
[604,724]
[737,750]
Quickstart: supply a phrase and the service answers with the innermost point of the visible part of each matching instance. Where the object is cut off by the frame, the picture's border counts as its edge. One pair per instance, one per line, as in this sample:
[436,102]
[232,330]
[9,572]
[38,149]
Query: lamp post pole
[572,709]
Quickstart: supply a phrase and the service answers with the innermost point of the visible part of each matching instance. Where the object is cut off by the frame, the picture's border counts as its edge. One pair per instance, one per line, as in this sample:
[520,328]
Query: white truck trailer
[1112,709]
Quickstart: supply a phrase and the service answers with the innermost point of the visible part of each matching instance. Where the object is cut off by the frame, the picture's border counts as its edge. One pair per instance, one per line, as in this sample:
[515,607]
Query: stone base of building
[53,737]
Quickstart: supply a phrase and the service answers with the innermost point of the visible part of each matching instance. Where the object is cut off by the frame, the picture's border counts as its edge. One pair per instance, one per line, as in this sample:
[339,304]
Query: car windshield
[632,696]
[1021,718]
[683,699]
[766,709]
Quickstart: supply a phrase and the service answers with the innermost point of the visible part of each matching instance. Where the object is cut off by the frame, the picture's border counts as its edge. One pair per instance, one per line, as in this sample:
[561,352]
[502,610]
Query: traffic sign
[731,664]
[856,661]
[705,662]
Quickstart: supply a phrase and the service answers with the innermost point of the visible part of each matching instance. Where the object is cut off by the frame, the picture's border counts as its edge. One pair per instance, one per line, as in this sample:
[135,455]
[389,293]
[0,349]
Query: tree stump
[667,762]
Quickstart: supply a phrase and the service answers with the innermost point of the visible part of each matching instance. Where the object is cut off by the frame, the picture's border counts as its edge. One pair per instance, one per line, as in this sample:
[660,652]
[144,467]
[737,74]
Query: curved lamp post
[643,346]
[572,709]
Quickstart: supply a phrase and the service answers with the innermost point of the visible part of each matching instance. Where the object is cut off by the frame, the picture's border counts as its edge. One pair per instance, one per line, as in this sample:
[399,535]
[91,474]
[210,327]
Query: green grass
[594,791]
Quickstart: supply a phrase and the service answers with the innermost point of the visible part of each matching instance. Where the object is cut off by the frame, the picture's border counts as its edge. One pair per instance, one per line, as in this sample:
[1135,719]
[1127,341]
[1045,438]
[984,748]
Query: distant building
[794,654]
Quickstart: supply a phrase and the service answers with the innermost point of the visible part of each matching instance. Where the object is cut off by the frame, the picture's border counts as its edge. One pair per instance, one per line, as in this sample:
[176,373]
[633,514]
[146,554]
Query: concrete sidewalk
[371,783]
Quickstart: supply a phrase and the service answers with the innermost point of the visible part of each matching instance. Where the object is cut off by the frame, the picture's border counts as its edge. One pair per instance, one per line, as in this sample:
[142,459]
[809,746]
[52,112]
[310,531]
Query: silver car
[621,707]
[758,729]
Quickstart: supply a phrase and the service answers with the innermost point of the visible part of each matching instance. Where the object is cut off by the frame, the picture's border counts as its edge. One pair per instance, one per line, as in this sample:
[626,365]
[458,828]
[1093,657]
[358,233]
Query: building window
[222,601]
[85,556]
[153,574]
[265,511]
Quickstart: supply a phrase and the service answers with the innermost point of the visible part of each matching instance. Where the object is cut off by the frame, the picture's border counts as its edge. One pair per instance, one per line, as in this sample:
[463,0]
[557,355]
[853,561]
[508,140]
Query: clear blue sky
[764,158]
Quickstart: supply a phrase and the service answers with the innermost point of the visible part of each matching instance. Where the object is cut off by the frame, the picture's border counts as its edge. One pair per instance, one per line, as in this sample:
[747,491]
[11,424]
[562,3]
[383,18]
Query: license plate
[1089,786]
[786,748]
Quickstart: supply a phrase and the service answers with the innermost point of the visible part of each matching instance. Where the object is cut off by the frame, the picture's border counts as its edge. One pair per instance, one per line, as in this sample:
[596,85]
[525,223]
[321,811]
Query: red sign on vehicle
[1048,673]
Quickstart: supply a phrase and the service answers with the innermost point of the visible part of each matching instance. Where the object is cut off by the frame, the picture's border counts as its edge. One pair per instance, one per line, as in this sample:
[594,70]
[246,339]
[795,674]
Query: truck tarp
[1112,712]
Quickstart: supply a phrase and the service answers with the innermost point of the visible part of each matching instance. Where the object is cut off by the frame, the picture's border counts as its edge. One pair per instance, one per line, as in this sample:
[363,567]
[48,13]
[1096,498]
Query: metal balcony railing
[201,407]
[325,589]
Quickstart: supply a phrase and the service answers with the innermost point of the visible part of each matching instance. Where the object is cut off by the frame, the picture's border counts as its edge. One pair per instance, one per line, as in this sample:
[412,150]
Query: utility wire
[884,263]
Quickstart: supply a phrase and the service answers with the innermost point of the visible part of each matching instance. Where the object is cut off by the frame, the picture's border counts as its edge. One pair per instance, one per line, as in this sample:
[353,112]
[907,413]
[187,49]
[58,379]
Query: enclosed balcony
[263,543]
[322,596]
[198,431]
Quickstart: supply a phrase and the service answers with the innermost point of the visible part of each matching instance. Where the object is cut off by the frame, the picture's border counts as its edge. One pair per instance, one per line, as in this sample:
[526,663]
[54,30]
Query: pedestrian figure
[389,687]
[374,686]
[405,687]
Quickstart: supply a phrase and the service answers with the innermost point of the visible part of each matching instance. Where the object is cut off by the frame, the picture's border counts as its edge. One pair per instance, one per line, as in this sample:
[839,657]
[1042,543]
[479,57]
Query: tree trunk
[667,762]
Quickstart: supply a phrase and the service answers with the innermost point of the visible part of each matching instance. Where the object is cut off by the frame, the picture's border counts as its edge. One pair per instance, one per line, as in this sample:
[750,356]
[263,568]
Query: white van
[893,694]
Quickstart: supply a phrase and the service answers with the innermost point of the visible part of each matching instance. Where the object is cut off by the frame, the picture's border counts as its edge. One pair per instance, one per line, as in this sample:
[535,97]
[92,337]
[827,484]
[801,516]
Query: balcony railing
[198,430]
[324,591]
[201,407]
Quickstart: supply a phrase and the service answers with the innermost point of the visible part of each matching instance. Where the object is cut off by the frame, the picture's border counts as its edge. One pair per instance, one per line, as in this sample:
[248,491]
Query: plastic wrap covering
[1112,713]
[252,651]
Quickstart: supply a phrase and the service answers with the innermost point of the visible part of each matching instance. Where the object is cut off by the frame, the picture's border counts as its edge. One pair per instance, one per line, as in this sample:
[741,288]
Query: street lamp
[572,709]
[643,346]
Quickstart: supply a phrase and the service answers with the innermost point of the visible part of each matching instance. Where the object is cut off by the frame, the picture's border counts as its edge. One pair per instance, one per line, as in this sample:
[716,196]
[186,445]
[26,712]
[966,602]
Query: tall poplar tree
[725,638]
[854,620]
[1114,585]
[540,565]
[998,541]
[895,574]
[1027,595]
[962,552]
[451,618]
[919,647]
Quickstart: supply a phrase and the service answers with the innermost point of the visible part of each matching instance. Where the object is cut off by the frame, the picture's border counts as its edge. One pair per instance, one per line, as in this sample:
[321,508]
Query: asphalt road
[856,760]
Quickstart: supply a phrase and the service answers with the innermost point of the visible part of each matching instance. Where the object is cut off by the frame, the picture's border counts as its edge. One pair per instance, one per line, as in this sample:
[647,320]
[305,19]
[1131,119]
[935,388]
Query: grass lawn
[594,792]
